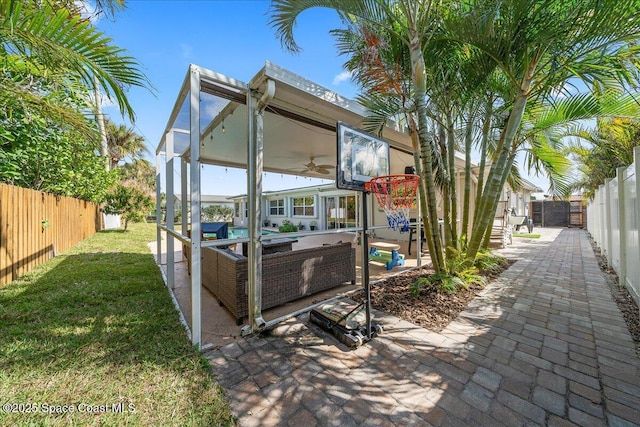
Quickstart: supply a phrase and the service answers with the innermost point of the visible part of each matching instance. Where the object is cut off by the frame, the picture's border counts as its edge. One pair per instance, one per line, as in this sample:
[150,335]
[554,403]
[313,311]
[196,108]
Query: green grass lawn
[94,331]
[527,235]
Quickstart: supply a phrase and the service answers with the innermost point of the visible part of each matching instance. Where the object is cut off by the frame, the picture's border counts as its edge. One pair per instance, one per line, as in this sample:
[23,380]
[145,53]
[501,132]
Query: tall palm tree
[123,142]
[143,173]
[411,23]
[531,50]
[599,152]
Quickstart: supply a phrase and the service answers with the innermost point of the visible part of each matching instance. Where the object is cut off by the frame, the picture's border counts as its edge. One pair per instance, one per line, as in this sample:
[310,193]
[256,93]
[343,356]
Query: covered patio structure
[273,123]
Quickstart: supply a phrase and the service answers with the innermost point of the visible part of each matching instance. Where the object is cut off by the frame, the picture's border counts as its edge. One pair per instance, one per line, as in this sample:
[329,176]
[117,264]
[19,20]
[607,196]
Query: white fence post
[622,224]
[607,221]
[615,224]
[635,281]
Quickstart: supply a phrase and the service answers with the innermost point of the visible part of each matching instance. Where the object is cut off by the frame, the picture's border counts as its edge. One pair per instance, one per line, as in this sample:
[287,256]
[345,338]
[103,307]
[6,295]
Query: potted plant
[265,222]
[312,225]
[300,226]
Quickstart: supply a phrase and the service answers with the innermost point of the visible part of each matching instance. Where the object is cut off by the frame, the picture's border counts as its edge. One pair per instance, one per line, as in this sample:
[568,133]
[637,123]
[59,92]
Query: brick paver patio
[545,344]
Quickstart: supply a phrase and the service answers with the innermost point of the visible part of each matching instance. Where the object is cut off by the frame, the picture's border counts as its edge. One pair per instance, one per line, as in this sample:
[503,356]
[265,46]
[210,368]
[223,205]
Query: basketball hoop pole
[365,264]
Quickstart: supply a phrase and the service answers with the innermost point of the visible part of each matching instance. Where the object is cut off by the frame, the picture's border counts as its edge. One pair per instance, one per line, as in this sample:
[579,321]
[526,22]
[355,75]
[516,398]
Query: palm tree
[530,51]
[599,152]
[143,173]
[539,47]
[122,143]
[44,44]
[411,23]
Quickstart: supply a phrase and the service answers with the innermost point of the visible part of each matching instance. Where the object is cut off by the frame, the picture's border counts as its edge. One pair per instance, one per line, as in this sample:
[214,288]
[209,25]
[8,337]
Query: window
[236,209]
[276,207]
[304,206]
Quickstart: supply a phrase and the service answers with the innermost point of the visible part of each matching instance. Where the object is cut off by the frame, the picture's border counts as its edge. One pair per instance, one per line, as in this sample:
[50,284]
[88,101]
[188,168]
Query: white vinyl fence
[612,221]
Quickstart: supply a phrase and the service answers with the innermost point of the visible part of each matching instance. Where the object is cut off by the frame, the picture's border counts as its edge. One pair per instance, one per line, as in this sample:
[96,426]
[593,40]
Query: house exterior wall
[320,207]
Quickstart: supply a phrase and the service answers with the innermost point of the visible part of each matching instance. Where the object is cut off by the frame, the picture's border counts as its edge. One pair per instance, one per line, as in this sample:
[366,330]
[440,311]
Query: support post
[196,237]
[418,232]
[622,221]
[158,211]
[365,263]
[171,277]
[607,222]
[184,196]
[254,190]
[635,282]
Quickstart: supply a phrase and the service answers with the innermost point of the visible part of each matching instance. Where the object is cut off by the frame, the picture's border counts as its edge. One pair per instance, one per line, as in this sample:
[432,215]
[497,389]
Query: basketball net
[395,194]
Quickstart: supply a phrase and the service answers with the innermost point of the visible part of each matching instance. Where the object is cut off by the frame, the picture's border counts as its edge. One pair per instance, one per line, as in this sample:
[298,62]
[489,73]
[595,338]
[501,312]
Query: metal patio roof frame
[259,95]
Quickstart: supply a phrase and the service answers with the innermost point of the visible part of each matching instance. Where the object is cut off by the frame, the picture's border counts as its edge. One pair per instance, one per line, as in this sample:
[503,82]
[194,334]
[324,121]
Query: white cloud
[342,77]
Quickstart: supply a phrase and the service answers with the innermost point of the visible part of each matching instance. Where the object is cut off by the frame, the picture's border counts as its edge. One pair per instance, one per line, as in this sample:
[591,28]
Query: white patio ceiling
[299,124]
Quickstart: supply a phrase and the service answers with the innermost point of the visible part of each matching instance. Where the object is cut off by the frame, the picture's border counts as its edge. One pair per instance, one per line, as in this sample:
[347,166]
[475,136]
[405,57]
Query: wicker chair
[286,276]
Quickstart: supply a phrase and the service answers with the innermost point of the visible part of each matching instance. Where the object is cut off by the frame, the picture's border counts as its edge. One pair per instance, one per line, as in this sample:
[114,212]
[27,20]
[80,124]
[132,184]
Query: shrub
[287,227]
[128,201]
[442,282]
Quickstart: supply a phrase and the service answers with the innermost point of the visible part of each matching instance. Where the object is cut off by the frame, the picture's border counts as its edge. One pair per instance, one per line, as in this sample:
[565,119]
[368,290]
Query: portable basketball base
[343,320]
[340,319]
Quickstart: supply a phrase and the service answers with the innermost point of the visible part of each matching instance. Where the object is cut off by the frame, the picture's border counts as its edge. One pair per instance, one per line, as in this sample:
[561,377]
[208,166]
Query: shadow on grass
[93,309]
[100,328]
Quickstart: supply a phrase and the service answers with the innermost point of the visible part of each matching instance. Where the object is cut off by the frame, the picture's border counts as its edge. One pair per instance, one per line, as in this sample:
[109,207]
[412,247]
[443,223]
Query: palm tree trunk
[445,190]
[467,177]
[486,128]
[104,148]
[419,79]
[453,197]
[495,183]
[426,222]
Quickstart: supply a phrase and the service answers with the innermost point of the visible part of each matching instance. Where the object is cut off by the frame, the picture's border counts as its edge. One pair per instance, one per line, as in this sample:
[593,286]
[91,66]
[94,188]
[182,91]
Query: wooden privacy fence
[35,226]
[613,219]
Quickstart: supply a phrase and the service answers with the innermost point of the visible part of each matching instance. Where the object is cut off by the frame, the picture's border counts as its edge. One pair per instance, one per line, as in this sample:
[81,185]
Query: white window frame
[304,207]
[280,207]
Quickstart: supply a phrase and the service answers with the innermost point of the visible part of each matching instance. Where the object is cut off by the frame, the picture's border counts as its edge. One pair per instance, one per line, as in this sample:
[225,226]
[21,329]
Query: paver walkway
[545,344]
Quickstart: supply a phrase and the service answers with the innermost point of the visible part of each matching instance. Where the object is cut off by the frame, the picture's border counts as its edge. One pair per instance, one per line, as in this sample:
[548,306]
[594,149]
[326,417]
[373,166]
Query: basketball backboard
[361,156]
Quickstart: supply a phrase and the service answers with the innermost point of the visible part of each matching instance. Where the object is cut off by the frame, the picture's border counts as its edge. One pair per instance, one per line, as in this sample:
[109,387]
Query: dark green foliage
[287,227]
[441,282]
[216,213]
[128,201]
[36,153]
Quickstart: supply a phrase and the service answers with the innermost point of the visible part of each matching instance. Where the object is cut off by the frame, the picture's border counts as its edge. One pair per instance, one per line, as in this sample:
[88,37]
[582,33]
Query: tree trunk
[445,190]
[468,140]
[426,223]
[453,197]
[495,183]
[419,79]
[486,128]
[104,147]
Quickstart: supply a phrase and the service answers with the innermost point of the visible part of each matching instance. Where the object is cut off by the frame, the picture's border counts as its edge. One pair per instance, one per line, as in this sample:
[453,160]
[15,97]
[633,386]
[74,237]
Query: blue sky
[229,37]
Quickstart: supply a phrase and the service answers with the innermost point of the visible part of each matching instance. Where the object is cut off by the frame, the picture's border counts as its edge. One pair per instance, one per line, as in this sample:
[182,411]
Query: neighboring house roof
[528,185]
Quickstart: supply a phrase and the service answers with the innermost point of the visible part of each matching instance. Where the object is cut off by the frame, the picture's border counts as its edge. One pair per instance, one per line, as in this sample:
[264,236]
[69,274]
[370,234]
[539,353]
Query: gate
[555,214]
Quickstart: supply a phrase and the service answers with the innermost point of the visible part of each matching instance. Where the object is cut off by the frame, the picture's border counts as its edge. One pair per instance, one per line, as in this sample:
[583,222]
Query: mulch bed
[431,310]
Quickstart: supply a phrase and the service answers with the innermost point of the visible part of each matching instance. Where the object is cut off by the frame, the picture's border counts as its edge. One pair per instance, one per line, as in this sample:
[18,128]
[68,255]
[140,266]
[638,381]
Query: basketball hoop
[395,194]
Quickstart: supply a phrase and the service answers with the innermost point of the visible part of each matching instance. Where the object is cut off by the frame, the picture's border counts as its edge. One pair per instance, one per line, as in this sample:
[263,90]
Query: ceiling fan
[312,167]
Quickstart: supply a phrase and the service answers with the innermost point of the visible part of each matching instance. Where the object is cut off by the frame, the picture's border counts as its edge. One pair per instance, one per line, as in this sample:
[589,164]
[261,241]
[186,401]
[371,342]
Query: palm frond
[51,39]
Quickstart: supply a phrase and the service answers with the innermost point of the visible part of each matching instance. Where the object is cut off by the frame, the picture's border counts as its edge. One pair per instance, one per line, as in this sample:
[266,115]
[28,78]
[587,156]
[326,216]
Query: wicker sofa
[286,276]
